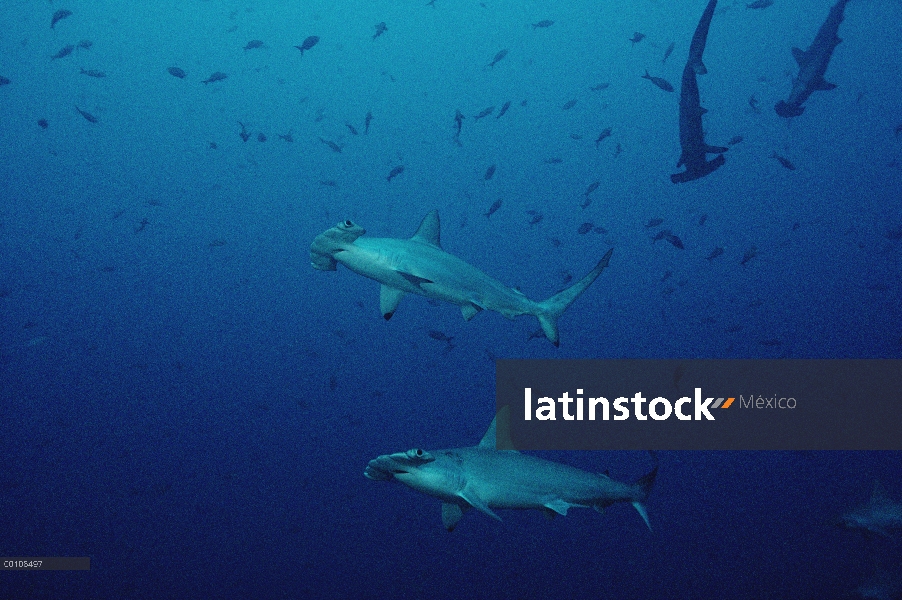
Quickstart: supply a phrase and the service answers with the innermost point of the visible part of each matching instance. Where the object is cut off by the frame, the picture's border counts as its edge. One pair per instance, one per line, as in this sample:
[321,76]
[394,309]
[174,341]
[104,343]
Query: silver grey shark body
[486,478]
[419,266]
[813,64]
[880,515]
[692,137]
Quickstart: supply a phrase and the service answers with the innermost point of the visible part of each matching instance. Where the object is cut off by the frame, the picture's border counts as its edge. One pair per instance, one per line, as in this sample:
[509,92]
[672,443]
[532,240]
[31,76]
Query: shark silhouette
[813,64]
[419,266]
[486,478]
[880,515]
[692,137]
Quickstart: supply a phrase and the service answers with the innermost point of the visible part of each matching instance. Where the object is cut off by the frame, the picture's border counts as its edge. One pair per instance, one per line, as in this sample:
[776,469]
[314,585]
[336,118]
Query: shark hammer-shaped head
[418,470]
[331,242]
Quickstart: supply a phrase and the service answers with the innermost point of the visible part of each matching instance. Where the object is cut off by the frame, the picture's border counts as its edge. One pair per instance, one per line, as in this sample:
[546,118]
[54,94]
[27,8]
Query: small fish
[637,37]
[677,242]
[4,80]
[668,52]
[535,217]
[217,243]
[261,137]
[585,228]
[507,105]
[380,29]
[618,151]
[85,44]
[575,136]
[489,173]
[654,223]
[702,219]
[783,161]
[484,113]
[554,160]
[570,104]
[59,16]
[88,116]
[439,336]
[659,236]
[753,102]
[498,57]
[328,182]
[395,172]
[714,253]
[253,44]
[749,255]
[245,136]
[771,342]
[897,130]
[542,24]
[659,81]
[366,122]
[606,133]
[600,86]
[43,124]
[93,73]
[733,329]
[213,145]
[308,43]
[458,123]
[64,52]
[760,4]
[493,208]
[351,128]
[335,147]
[592,187]
[142,225]
[735,140]
[217,76]
[176,72]
[287,137]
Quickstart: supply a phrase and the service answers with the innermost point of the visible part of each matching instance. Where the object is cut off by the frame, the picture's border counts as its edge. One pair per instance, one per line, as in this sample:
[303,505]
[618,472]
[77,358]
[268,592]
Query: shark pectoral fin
[470,310]
[414,279]
[478,503]
[823,85]
[799,55]
[558,506]
[451,515]
[389,298]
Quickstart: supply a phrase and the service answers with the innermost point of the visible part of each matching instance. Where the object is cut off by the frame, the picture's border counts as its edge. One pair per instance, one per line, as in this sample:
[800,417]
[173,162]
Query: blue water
[189,403]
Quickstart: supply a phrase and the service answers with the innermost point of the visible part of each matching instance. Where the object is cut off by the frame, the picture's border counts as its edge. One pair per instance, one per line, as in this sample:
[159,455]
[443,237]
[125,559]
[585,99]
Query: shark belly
[519,481]
[423,269]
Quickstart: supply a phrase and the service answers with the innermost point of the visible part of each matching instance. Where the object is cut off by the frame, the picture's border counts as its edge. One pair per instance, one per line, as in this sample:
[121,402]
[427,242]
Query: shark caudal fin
[644,486]
[552,308]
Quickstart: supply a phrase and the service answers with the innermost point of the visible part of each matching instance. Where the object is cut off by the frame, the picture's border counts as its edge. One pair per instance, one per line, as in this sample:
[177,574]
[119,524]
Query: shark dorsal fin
[498,436]
[429,231]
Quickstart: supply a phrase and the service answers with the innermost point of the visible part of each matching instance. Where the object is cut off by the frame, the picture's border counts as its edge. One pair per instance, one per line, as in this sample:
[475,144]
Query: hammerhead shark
[692,137]
[419,266]
[880,515]
[486,478]
[813,64]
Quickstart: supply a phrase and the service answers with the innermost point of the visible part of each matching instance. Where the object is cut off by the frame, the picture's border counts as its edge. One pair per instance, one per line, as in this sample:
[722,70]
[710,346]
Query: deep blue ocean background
[184,399]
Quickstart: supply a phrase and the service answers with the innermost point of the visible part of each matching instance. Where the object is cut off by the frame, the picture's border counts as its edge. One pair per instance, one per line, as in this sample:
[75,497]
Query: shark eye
[418,452]
[348,224]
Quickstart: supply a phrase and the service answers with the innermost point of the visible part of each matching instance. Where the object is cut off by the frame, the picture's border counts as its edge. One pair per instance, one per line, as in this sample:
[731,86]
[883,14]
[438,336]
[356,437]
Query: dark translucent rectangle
[46,563]
[782,404]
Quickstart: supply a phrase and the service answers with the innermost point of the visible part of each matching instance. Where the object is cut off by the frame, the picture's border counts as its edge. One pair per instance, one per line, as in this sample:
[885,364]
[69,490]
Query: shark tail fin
[644,486]
[552,308]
